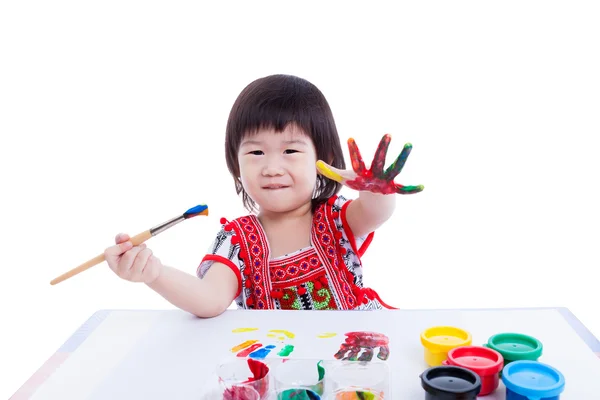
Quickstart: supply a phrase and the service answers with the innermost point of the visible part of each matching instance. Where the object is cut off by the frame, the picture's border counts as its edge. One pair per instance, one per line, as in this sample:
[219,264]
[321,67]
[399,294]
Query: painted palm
[375,179]
[360,346]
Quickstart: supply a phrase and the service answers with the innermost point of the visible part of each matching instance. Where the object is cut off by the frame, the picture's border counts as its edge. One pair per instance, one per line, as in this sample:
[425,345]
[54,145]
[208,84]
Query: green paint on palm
[398,164]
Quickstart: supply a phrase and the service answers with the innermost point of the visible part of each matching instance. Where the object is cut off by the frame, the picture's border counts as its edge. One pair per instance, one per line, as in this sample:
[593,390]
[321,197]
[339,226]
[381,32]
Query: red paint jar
[485,362]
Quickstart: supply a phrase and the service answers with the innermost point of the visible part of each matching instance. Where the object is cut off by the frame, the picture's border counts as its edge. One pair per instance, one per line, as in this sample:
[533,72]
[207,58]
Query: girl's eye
[290,151]
[256,152]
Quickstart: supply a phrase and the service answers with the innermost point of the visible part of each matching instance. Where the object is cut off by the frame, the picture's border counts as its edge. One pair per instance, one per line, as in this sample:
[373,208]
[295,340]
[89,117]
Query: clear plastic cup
[236,378]
[359,380]
[238,393]
[299,379]
[243,392]
[212,389]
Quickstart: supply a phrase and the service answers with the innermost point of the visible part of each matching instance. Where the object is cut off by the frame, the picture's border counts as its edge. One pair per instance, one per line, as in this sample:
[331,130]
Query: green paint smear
[321,370]
[298,394]
[286,350]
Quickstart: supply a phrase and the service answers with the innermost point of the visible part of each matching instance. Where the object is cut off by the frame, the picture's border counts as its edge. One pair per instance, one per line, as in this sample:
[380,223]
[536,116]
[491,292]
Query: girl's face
[278,169]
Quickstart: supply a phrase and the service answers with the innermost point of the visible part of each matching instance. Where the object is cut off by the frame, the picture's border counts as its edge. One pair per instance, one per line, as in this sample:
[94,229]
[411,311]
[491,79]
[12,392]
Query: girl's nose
[272,165]
[272,169]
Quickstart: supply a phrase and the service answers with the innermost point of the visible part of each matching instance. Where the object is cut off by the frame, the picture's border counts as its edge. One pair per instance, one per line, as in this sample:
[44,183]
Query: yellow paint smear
[326,335]
[241,346]
[286,333]
[238,330]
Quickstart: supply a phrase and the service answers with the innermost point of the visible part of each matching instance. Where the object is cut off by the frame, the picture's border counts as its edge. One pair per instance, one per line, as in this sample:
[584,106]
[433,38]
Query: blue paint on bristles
[199,209]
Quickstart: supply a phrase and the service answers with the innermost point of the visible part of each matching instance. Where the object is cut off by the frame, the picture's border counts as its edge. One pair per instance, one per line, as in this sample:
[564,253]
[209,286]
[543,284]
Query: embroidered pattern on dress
[325,276]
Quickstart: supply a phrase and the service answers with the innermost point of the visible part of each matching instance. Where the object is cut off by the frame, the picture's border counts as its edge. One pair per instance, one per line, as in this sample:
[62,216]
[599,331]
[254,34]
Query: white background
[112,118]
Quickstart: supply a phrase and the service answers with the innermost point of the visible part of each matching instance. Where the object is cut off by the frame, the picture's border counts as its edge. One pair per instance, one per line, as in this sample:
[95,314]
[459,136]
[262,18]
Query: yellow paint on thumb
[326,171]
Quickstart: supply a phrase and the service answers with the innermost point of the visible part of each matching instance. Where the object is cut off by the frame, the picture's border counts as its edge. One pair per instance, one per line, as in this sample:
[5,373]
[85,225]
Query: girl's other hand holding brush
[132,263]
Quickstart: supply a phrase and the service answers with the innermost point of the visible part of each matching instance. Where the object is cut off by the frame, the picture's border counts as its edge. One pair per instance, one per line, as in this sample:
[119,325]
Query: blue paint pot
[532,380]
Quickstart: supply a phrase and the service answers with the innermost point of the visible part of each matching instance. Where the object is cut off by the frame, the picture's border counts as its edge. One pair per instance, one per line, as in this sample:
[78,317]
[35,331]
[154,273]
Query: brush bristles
[201,209]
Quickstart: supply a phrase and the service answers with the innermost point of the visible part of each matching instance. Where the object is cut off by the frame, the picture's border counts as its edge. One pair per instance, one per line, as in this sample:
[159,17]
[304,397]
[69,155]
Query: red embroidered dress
[327,275]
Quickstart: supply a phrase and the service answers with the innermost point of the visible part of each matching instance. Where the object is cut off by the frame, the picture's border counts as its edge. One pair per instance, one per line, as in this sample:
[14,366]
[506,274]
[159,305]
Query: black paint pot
[450,383]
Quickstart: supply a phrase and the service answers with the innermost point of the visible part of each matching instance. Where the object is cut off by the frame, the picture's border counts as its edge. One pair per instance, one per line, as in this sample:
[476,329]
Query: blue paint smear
[196,210]
[260,354]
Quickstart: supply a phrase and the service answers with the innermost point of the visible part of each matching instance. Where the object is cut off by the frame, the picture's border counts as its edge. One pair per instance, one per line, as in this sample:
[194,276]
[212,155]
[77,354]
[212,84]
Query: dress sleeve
[358,244]
[224,251]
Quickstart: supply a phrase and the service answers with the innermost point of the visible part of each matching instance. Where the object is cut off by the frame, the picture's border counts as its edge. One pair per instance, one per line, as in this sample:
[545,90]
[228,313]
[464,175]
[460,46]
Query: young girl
[301,246]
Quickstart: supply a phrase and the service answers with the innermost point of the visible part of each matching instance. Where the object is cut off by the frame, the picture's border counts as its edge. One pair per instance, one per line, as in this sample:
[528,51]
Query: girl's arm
[369,211]
[206,297]
[377,190]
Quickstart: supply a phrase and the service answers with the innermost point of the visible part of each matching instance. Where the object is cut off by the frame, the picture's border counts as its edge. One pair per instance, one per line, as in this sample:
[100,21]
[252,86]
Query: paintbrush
[136,240]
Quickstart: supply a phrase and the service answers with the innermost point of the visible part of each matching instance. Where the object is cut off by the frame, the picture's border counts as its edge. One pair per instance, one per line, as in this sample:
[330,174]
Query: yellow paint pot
[439,340]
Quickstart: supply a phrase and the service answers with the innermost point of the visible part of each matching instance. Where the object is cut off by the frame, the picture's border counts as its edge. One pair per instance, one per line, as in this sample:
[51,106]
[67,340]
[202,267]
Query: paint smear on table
[360,346]
[326,335]
[284,332]
[245,353]
[240,330]
[287,349]
[243,345]
[274,336]
[262,353]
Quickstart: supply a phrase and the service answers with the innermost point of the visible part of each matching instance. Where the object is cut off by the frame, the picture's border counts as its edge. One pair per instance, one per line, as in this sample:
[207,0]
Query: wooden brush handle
[136,240]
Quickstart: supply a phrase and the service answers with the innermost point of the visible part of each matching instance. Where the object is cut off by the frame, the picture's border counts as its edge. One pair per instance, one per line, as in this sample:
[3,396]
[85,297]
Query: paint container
[213,390]
[357,395]
[233,393]
[359,380]
[450,383]
[240,393]
[299,379]
[439,340]
[237,374]
[515,347]
[486,363]
[532,380]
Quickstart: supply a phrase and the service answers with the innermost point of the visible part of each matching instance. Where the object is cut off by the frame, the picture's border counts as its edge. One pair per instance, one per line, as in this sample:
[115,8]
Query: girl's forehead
[268,136]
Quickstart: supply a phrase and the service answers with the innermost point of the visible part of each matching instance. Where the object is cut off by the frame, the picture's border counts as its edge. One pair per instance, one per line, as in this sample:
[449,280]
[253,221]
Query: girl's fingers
[333,173]
[139,264]
[126,262]
[357,162]
[379,157]
[113,253]
[121,237]
[394,169]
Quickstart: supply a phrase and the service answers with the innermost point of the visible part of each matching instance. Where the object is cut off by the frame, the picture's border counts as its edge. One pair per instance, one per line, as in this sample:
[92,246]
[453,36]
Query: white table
[147,354]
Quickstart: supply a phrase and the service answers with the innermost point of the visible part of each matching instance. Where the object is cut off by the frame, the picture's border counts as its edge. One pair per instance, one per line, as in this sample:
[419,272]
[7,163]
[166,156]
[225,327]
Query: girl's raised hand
[132,263]
[374,179]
